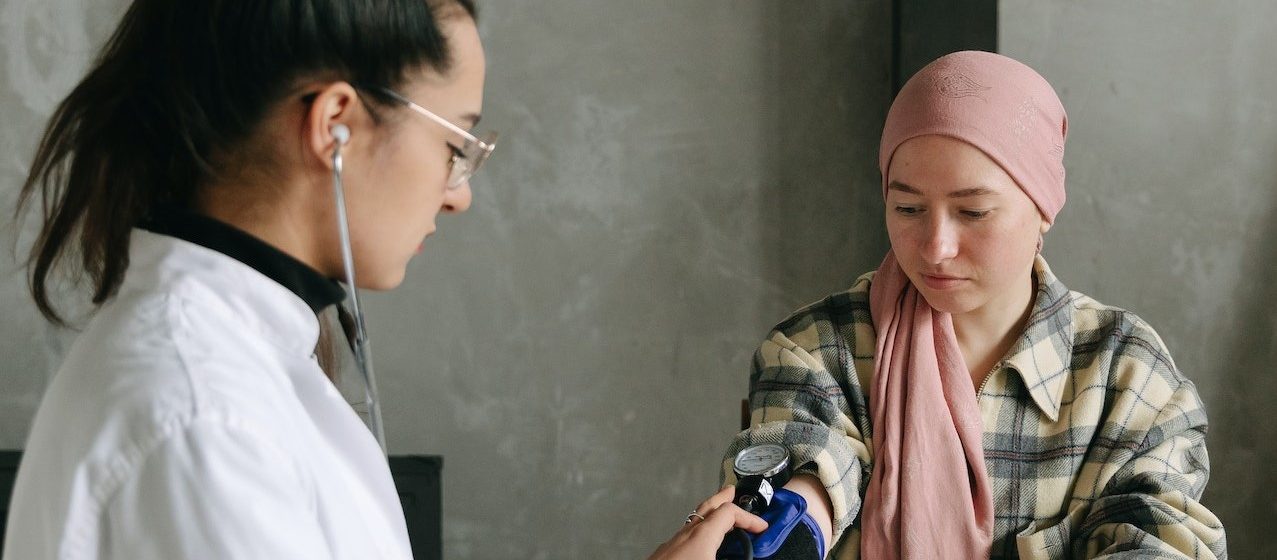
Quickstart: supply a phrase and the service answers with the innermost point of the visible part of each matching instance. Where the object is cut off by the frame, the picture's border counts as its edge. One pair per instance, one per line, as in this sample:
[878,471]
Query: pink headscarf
[929,495]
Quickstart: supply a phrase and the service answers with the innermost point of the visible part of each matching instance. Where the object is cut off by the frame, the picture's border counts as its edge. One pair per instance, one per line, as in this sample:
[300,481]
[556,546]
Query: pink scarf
[929,494]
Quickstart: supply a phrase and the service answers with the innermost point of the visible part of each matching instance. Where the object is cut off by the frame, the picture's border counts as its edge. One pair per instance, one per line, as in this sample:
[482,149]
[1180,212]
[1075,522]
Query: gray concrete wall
[674,177]
[45,48]
[1172,211]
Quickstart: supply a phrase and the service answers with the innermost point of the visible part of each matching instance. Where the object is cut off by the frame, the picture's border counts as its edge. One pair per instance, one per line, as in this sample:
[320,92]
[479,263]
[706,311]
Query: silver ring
[695,515]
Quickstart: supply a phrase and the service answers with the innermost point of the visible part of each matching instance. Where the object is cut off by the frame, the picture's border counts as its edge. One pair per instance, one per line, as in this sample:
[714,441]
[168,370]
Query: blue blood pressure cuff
[792,533]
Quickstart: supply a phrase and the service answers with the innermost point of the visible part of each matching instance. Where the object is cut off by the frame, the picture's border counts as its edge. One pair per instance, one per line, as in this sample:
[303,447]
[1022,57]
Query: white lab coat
[191,420]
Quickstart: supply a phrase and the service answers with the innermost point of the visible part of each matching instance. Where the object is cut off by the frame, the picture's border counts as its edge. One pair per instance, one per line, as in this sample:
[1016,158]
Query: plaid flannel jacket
[1094,442]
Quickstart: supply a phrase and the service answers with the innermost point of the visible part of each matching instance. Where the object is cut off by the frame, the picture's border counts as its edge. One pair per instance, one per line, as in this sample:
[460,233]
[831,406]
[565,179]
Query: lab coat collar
[307,283]
[251,299]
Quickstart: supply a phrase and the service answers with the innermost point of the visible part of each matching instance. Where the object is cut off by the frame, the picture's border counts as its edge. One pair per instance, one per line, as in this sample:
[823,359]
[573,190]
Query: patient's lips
[942,281]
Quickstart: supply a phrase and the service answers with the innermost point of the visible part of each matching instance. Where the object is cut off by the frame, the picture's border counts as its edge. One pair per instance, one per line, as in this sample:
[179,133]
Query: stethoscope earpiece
[341,133]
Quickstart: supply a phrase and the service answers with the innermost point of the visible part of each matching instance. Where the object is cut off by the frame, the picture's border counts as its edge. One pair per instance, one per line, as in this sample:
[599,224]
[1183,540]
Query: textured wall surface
[673,178]
[45,48]
[1172,211]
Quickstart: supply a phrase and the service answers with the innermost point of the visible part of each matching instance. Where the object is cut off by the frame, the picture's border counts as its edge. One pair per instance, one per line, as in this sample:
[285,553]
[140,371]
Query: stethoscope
[359,343]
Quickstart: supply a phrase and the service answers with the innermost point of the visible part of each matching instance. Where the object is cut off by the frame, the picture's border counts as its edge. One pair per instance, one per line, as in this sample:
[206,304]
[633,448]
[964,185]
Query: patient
[961,402]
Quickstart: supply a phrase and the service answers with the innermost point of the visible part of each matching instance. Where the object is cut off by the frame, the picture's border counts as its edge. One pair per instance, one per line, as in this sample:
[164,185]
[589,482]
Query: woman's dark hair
[183,82]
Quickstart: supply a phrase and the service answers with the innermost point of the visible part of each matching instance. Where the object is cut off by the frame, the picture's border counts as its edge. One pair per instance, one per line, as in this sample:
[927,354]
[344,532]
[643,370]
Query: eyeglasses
[468,158]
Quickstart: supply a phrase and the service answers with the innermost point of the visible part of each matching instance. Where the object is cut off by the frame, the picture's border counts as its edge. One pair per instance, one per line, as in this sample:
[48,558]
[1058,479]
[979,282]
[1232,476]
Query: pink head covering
[993,103]
[929,493]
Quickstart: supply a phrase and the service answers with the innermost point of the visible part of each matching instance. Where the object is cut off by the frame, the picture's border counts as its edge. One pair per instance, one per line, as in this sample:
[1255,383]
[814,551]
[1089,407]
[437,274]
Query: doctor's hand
[700,538]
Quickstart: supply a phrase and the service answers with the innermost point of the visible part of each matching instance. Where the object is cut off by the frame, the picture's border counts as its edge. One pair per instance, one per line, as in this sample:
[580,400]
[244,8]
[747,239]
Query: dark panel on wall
[417,478]
[927,29]
[8,472]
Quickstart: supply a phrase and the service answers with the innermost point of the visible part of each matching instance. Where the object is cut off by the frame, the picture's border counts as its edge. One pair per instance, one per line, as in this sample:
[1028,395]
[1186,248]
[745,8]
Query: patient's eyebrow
[898,186]
[973,191]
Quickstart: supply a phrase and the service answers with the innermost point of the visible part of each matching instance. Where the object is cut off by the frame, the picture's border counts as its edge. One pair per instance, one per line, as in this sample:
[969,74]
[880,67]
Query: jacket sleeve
[1150,508]
[213,490]
[797,401]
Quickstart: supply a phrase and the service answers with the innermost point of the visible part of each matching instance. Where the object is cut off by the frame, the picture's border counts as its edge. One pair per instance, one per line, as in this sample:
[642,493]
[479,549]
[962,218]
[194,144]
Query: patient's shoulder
[840,319]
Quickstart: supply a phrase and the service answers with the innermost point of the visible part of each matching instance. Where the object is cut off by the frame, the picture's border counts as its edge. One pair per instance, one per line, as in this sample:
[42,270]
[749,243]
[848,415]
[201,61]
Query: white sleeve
[213,491]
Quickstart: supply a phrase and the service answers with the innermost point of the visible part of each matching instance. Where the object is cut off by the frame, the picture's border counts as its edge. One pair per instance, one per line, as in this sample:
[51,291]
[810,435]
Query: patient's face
[961,228]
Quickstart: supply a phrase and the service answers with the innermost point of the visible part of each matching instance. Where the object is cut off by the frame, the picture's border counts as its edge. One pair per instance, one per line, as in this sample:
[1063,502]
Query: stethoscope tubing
[361,346]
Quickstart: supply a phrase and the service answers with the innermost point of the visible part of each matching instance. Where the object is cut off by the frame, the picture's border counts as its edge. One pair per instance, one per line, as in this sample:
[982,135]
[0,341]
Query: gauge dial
[765,459]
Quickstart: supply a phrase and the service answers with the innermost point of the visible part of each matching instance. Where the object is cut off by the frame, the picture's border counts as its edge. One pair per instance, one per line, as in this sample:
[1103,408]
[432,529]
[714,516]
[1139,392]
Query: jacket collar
[1042,354]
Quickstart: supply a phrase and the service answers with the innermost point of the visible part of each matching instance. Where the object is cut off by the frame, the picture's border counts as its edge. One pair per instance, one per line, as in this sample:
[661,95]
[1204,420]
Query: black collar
[312,287]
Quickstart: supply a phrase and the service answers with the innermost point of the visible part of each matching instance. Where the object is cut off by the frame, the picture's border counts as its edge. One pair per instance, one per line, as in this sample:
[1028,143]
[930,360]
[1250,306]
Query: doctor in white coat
[189,179]
[221,164]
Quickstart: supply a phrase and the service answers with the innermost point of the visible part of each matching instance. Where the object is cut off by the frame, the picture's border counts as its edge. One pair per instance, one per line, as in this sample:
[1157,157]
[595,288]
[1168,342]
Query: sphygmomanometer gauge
[760,470]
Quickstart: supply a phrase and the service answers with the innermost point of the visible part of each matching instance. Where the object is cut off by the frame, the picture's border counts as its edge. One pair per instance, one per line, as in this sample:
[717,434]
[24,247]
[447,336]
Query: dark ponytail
[179,86]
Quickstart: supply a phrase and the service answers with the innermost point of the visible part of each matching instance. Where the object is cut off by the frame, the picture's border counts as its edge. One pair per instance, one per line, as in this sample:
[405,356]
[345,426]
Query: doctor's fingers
[698,540]
[712,503]
[724,519]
